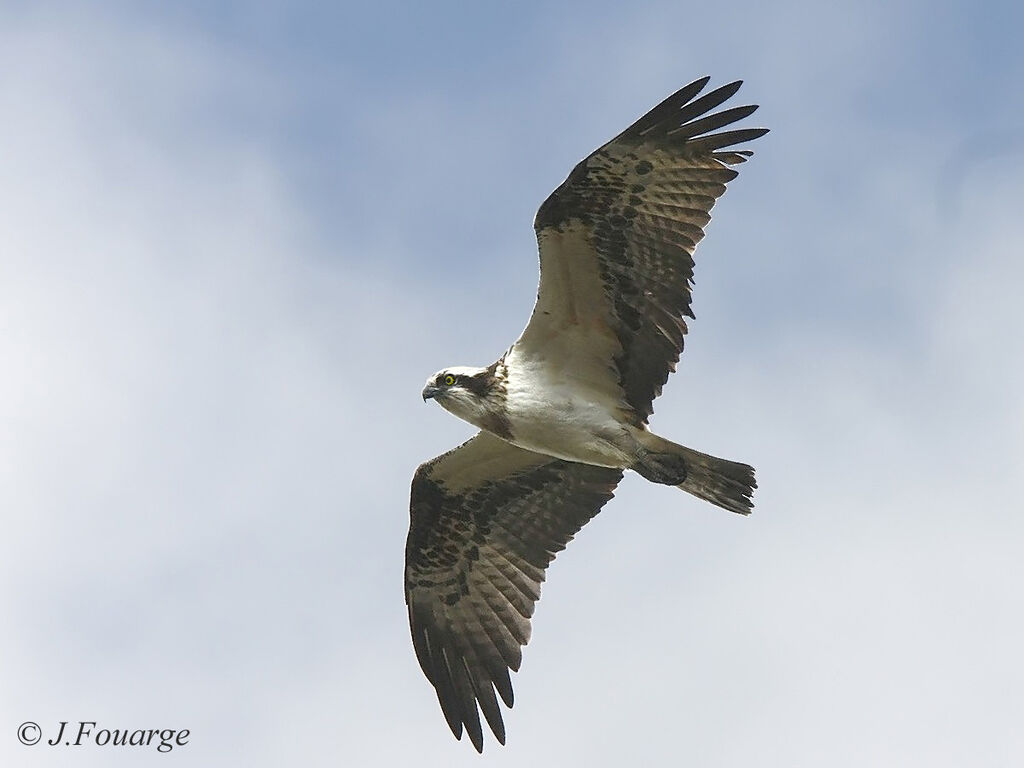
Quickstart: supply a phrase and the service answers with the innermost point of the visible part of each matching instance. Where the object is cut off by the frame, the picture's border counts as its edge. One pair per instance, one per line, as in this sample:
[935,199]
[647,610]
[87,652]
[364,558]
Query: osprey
[563,413]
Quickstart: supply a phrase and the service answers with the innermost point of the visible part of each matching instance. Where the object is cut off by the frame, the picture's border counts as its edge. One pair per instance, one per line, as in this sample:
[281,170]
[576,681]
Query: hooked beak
[429,392]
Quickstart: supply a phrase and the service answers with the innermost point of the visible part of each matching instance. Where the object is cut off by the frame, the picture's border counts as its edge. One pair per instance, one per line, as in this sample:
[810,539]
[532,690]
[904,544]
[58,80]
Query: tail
[726,484]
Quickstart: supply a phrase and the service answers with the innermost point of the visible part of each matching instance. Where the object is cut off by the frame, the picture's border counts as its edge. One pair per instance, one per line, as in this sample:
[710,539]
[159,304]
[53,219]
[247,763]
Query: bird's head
[465,392]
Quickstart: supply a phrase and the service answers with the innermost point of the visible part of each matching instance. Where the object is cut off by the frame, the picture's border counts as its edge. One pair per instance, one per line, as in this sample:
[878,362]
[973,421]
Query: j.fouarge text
[86,732]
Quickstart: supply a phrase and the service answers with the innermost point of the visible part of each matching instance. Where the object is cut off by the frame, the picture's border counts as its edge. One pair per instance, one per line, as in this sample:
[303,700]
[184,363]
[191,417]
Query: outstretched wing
[616,245]
[485,520]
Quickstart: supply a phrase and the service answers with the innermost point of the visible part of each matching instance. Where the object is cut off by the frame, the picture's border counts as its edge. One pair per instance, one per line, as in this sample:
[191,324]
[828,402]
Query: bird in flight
[563,413]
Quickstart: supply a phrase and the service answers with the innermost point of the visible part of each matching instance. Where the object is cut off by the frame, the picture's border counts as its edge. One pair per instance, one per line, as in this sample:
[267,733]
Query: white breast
[551,413]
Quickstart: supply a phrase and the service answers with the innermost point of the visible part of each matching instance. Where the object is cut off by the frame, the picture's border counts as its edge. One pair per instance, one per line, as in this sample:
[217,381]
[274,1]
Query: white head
[472,394]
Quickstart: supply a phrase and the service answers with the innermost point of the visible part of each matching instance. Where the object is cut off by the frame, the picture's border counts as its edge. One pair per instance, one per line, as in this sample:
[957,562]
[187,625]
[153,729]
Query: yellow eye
[449,380]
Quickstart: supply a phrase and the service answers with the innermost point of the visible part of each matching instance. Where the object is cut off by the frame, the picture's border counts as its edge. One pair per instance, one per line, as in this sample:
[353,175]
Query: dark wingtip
[667,106]
[729,89]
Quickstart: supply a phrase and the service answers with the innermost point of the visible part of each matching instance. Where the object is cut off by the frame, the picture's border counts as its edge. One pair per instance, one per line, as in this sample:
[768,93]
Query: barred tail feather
[726,484]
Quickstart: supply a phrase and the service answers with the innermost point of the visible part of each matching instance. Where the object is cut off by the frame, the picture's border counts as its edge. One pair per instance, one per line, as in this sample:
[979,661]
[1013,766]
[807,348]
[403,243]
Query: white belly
[558,419]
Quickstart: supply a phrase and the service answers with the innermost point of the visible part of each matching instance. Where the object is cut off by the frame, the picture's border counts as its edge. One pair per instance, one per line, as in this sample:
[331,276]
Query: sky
[235,238]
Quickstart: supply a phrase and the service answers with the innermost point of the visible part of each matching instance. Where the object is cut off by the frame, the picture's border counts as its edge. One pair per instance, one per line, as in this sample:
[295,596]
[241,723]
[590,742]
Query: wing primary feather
[447,696]
[492,660]
[705,103]
[421,641]
[503,685]
[725,139]
[664,109]
[485,697]
[733,158]
[455,661]
[712,122]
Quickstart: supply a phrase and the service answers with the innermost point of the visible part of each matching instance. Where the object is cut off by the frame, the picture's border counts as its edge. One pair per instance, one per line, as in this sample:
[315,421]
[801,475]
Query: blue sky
[234,240]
